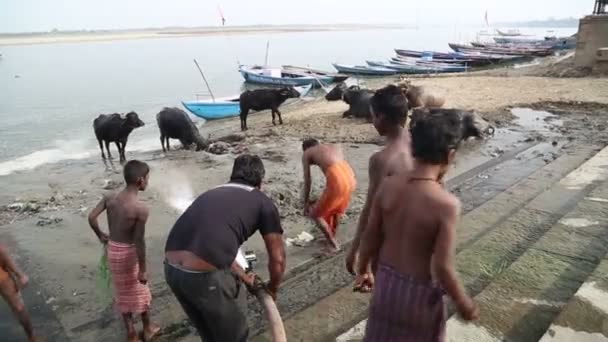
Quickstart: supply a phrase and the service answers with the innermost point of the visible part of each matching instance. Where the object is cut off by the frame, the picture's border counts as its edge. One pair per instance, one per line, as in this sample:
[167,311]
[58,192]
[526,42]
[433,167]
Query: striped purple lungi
[405,309]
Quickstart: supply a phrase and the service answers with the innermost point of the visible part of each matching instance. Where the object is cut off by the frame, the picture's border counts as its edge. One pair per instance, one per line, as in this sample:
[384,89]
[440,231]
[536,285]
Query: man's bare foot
[133,338]
[36,339]
[151,331]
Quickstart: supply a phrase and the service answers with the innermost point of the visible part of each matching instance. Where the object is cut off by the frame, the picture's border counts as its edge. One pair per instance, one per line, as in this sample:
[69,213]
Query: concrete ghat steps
[523,300]
[493,216]
[585,317]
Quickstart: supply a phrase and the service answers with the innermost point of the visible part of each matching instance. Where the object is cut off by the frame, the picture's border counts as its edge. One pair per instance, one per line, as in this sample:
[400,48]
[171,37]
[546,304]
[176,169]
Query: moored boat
[418,68]
[225,107]
[278,76]
[336,76]
[364,70]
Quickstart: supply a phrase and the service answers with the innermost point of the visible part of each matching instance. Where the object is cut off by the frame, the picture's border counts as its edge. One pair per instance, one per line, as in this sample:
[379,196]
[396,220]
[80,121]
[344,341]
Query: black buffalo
[115,128]
[471,124]
[358,100]
[261,99]
[174,123]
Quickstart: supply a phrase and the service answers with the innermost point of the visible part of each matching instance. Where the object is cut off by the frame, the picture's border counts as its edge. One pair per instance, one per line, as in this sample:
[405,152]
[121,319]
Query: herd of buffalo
[174,123]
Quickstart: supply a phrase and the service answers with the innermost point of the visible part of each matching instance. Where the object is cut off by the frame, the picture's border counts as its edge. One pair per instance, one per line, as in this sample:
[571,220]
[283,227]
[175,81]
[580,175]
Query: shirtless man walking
[389,114]
[126,248]
[340,184]
[412,232]
[12,280]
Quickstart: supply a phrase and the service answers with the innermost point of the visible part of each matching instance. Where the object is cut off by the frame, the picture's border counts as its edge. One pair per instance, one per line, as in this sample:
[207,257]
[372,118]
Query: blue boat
[282,77]
[224,107]
[364,70]
[417,69]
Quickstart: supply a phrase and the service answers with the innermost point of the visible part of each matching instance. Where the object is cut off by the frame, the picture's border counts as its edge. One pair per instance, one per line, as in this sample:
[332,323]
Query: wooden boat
[278,76]
[509,33]
[513,51]
[418,68]
[337,77]
[364,70]
[225,107]
[562,43]
[470,58]
[423,60]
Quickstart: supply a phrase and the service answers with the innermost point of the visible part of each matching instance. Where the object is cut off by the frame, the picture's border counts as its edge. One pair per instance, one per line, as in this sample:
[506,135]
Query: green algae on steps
[581,314]
[522,301]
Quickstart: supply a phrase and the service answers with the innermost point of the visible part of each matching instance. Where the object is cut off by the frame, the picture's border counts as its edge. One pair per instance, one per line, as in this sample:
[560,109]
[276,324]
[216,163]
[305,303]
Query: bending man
[202,246]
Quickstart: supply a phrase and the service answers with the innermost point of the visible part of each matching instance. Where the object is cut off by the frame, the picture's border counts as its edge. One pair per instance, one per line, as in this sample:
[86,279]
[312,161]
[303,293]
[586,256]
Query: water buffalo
[115,128]
[174,123]
[261,99]
[357,99]
[472,124]
[417,96]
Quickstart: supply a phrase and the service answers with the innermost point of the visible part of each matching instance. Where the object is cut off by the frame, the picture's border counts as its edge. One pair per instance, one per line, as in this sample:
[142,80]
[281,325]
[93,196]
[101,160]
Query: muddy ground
[43,215]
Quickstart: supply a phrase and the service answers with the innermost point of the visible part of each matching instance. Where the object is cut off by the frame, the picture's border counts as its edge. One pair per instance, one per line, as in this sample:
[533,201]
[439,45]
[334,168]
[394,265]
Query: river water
[50,94]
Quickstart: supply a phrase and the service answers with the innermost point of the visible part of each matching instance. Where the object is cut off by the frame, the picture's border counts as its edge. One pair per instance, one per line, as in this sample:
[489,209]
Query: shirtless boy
[389,114]
[412,233]
[340,184]
[126,247]
[12,280]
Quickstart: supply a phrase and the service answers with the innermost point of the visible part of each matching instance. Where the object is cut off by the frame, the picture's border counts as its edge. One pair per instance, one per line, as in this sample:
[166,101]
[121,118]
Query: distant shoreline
[58,37]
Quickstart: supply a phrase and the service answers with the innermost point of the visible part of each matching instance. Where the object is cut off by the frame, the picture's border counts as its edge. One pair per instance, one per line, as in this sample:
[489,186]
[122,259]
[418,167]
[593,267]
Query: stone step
[495,234]
[523,300]
[490,216]
[585,317]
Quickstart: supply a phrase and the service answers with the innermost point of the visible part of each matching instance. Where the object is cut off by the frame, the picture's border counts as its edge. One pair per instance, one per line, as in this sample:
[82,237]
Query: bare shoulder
[447,203]
[142,210]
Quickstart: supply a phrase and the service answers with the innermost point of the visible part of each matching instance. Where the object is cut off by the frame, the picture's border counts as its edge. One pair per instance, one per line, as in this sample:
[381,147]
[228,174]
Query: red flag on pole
[221,15]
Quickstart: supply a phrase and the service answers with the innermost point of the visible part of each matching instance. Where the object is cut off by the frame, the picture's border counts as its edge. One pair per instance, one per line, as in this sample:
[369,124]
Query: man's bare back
[410,233]
[324,155]
[124,210]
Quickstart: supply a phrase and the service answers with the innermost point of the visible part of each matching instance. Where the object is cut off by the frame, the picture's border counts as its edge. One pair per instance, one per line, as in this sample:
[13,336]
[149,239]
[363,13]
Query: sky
[45,15]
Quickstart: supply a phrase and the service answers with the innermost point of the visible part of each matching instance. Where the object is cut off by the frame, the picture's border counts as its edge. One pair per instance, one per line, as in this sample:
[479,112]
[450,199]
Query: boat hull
[364,70]
[254,77]
[224,108]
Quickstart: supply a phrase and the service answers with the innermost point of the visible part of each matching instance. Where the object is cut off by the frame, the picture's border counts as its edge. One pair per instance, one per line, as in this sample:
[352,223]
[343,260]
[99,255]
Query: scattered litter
[110,184]
[302,240]
[482,176]
[50,300]
[46,221]
[24,207]
[554,143]
[219,147]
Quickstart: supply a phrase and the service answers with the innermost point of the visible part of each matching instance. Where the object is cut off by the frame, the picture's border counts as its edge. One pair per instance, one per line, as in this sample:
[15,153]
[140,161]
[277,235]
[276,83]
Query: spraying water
[177,190]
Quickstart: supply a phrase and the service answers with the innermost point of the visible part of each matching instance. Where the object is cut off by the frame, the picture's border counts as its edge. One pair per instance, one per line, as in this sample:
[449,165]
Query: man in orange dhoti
[340,184]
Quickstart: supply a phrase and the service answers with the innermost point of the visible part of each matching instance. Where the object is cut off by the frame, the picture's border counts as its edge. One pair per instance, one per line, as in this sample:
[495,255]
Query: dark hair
[134,170]
[391,103]
[248,169]
[434,135]
[308,143]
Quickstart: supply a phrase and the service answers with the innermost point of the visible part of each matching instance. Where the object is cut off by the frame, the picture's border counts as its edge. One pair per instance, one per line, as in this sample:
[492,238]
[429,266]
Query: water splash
[176,189]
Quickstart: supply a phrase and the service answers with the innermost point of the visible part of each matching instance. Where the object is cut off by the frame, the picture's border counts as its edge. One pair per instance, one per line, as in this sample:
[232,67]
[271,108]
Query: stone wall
[592,35]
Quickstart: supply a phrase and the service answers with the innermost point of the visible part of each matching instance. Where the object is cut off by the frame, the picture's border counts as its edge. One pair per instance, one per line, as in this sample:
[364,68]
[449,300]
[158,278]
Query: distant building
[600,7]
[592,42]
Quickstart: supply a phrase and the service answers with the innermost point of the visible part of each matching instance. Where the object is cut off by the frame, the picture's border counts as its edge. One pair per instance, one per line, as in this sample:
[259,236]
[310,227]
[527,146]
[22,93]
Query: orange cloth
[340,184]
[3,274]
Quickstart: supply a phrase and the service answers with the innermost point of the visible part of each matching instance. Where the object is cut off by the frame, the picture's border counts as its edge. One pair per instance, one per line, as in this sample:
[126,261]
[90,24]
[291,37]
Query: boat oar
[204,79]
[323,86]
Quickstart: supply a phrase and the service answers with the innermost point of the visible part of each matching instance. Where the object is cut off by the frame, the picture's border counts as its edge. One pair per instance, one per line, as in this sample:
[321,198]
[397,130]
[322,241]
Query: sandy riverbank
[57,248]
[110,35]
